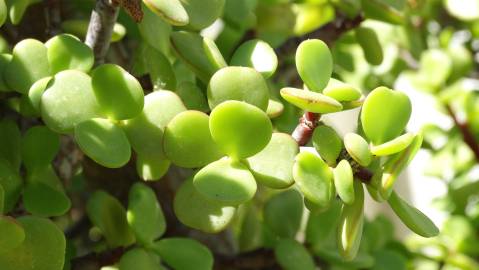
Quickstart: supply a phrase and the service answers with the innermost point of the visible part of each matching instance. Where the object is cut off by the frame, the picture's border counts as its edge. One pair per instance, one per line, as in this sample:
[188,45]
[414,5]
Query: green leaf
[203,13]
[381,11]
[20,74]
[68,100]
[273,166]
[3,12]
[291,255]
[213,53]
[12,234]
[344,181]
[10,143]
[43,247]
[151,167]
[238,83]
[412,217]
[395,165]
[118,93]
[256,54]
[381,125]
[40,145]
[184,253]
[144,214]
[310,101]
[369,42]
[107,213]
[283,212]
[314,178]
[240,129]
[358,149]
[138,258]
[17,8]
[65,51]
[351,225]
[394,146]
[197,212]
[321,227]
[389,260]
[227,181]
[314,63]
[193,97]
[171,11]
[327,143]
[5,59]
[104,142]
[187,140]
[341,91]
[275,108]
[154,30]
[160,69]
[11,183]
[35,93]
[189,48]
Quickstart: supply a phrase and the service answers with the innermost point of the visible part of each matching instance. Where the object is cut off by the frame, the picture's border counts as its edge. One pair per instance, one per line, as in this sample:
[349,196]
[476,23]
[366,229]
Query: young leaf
[310,101]
[358,149]
[394,146]
[327,143]
[314,63]
[344,181]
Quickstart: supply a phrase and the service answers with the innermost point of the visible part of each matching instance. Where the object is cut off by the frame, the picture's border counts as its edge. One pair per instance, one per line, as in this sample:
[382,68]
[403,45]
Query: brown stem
[467,135]
[303,132]
[102,20]
[328,33]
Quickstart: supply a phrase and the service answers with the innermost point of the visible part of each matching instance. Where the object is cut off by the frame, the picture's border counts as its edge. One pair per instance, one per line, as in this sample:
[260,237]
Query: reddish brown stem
[303,132]
[467,135]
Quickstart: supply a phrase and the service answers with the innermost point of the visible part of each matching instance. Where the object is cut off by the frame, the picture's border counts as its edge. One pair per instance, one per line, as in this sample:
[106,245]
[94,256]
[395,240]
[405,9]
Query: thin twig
[467,135]
[100,29]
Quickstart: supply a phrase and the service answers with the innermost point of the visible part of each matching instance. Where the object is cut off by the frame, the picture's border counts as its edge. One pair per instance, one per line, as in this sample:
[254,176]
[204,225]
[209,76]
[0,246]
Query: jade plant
[196,134]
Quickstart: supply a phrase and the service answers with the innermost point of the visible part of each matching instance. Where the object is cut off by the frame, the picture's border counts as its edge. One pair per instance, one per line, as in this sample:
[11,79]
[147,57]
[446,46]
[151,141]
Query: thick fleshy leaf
[43,248]
[358,148]
[369,42]
[184,253]
[314,63]
[154,30]
[68,52]
[240,129]
[68,100]
[395,164]
[35,93]
[3,12]
[227,181]
[382,125]
[394,146]
[327,143]
[12,234]
[310,101]
[151,167]
[145,132]
[171,11]
[39,147]
[5,58]
[203,13]
[107,213]
[195,211]
[341,91]
[344,181]
[20,74]
[118,93]
[256,54]
[380,10]
[275,108]
[138,258]
[213,53]
[412,217]
[44,200]
[160,69]
[16,9]
[273,166]
[351,224]
[189,48]
[314,178]
[292,255]
[11,183]
[144,214]
[10,143]
[238,83]
[283,212]
[104,142]
[187,140]
[193,97]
